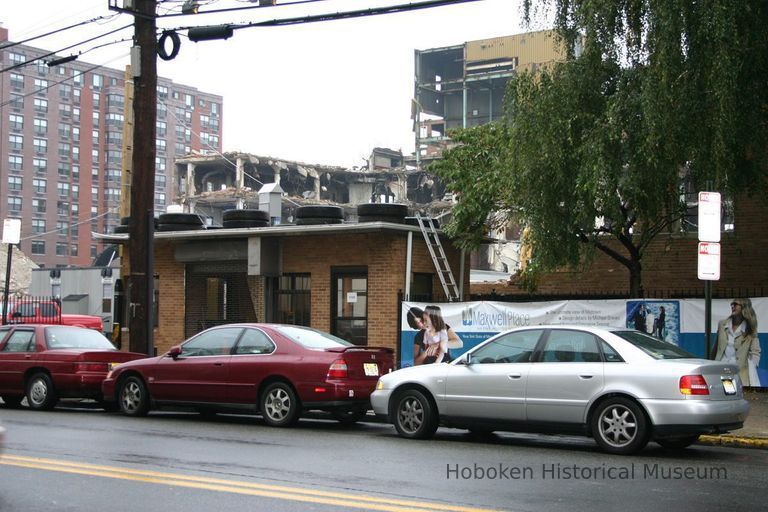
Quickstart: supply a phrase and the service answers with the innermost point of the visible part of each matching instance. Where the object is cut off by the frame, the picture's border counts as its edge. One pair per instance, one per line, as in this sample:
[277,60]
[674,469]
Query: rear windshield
[311,338]
[654,347]
[62,337]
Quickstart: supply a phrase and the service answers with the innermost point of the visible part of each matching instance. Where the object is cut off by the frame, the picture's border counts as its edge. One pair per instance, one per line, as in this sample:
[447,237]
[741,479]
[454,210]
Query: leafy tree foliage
[592,151]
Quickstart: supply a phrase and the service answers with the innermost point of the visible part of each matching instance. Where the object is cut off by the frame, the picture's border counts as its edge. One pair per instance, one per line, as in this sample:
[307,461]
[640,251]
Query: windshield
[62,337]
[311,338]
[654,347]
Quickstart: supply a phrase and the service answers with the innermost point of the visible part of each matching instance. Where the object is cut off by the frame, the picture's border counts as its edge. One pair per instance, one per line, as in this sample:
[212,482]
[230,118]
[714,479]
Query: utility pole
[141,275]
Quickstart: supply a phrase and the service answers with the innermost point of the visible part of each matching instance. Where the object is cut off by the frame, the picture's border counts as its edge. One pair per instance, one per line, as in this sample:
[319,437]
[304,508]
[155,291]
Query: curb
[741,442]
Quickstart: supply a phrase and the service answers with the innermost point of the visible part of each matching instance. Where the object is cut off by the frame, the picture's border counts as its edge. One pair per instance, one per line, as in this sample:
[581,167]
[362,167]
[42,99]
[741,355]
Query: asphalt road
[87,460]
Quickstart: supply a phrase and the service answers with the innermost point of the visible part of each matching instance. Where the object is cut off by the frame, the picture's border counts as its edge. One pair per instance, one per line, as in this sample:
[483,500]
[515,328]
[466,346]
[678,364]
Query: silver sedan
[619,386]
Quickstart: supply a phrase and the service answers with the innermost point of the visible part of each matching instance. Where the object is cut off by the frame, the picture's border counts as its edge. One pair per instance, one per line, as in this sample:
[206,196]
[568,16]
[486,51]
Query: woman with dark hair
[435,336]
[737,340]
[415,319]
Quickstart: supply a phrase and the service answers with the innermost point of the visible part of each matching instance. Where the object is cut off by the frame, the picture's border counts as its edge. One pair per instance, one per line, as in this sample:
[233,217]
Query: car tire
[319,212]
[348,416]
[382,209]
[133,397]
[230,224]
[619,426]
[415,417]
[380,218]
[178,227]
[677,443]
[41,395]
[317,221]
[12,402]
[279,405]
[250,215]
[191,219]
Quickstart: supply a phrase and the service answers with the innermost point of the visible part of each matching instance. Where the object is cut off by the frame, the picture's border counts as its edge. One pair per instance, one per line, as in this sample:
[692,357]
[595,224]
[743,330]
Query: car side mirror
[175,351]
[465,359]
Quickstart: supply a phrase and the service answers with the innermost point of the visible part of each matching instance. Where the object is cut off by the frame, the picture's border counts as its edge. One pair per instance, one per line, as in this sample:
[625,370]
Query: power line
[92,20]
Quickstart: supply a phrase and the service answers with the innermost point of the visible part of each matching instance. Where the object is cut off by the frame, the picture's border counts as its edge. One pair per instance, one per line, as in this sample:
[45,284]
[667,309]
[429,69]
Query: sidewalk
[755,431]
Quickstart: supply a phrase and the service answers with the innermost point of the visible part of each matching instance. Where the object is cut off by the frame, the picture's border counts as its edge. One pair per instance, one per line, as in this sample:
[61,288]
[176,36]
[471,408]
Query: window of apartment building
[62,226]
[175,95]
[15,163]
[17,101]
[201,102]
[75,209]
[38,226]
[160,144]
[14,182]
[162,91]
[96,100]
[162,128]
[63,189]
[76,134]
[75,172]
[159,198]
[16,122]
[95,156]
[14,203]
[160,164]
[180,149]
[40,165]
[293,299]
[65,149]
[41,105]
[690,223]
[94,194]
[62,207]
[75,114]
[179,132]
[160,181]
[76,153]
[112,81]
[73,250]
[65,169]
[115,101]
[95,137]
[77,78]
[112,194]
[65,92]
[76,93]
[40,145]
[96,116]
[65,111]
[94,253]
[61,70]
[97,81]
[42,67]
[162,111]
[40,185]
[115,138]
[17,81]
[61,249]
[112,119]
[41,86]
[205,122]
[114,157]
[40,126]
[114,175]
[95,174]
[38,205]
[38,247]
[15,142]
[189,101]
[215,108]
[16,58]
[75,190]
[187,135]
[65,130]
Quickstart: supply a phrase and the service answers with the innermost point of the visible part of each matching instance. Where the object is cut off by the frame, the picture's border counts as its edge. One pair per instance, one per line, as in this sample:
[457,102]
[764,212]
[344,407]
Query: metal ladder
[438,258]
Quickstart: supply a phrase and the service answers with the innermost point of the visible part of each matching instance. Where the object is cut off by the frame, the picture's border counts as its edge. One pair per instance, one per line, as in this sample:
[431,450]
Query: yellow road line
[248,488]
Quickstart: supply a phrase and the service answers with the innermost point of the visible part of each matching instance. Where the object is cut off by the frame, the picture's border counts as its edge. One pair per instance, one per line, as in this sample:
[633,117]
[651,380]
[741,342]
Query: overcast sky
[324,92]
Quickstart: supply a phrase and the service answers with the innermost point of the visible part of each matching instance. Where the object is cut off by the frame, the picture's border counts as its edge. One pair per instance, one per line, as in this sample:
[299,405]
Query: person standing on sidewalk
[737,341]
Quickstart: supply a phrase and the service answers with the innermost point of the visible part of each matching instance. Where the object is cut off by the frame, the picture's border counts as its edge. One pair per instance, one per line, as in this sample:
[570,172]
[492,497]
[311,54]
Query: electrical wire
[92,20]
[234,9]
[91,219]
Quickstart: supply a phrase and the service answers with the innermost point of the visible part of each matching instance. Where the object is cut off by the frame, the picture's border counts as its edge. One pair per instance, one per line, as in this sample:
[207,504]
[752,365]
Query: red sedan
[49,362]
[278,370]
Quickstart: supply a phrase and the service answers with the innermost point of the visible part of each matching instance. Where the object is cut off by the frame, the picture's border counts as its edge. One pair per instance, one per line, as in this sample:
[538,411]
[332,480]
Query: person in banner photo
[420,320]
[640,317]
[737,341]
[660,323]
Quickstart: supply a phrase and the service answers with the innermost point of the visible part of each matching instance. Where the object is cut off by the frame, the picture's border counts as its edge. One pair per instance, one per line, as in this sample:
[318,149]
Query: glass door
[349,308]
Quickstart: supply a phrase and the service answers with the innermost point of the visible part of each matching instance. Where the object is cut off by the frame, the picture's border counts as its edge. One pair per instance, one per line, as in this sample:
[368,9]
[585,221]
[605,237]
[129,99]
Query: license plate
[729,387]
[371,369]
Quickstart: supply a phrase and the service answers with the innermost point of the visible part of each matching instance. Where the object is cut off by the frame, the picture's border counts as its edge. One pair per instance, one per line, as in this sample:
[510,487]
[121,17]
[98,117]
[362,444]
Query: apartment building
[61,147]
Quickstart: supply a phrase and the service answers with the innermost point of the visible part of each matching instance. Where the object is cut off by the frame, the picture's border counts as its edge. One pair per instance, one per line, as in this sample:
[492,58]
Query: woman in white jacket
[737,340]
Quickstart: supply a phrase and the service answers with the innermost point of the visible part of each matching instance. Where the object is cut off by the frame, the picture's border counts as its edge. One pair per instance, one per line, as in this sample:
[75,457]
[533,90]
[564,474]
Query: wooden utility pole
[141,282]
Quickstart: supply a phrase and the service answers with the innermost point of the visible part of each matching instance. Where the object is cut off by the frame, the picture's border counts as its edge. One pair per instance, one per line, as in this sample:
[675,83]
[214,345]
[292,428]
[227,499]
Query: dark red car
[49,362]
[278,370]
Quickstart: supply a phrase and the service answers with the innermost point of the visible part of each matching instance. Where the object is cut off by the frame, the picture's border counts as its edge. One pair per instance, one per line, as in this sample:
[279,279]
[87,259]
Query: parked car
[48,311]
[621,387]
[278,370]
[49,362]
[2,439]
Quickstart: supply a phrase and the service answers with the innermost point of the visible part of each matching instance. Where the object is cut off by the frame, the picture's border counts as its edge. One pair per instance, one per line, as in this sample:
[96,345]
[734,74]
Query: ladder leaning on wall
[437,253]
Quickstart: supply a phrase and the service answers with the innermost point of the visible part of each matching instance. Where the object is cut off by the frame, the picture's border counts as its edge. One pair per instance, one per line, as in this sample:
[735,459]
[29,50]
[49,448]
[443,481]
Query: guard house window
[293,298]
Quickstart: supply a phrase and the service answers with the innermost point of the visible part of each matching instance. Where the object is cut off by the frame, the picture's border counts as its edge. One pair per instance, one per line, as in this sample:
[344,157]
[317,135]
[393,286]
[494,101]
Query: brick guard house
[346,279]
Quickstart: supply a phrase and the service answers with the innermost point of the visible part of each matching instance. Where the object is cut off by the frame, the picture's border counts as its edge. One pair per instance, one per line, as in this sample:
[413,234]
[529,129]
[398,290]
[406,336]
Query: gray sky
[319,93]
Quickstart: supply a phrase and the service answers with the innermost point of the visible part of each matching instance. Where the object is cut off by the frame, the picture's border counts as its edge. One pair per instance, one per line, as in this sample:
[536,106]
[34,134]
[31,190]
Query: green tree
[591,153]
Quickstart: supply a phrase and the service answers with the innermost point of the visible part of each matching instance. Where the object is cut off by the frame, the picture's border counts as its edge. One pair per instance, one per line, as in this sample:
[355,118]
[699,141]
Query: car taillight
[693,385]
[338,369]
[91,367]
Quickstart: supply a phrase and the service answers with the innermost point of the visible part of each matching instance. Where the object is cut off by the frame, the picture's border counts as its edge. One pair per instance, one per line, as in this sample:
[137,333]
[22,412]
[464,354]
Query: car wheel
[319,212]
[279,405]
[677,443]
[619,426]
[415,417]
[134,397]
[12,402]
[348,416]
[249,215]
[41,394]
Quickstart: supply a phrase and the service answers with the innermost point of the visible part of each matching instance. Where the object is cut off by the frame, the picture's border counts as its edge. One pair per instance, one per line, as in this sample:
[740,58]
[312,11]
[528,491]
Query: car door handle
[218,364]
[586,376]
[515,376]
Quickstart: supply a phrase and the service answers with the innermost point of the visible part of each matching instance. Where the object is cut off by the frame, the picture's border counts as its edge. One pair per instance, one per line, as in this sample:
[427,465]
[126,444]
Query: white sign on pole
[709,261]
[709,216]
[11,231]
